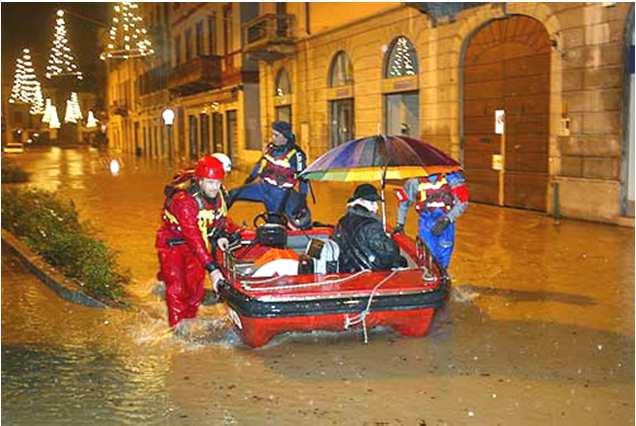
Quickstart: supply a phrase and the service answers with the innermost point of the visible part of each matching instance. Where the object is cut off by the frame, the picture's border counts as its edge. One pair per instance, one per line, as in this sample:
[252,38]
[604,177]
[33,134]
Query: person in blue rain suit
[278,175]
[439,199]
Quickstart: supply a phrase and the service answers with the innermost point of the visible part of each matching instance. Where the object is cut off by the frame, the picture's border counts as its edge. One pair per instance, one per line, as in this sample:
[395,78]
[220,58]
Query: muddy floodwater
[539,328]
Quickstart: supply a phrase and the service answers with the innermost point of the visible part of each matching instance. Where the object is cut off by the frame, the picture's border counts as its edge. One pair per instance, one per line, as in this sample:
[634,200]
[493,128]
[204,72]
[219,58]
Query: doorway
[507,68]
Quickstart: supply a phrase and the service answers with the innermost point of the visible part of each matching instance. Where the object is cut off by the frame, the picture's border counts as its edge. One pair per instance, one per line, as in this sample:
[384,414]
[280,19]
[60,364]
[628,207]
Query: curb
[64,287]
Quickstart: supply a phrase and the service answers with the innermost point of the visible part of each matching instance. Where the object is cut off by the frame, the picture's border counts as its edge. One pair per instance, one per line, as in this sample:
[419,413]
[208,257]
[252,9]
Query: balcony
[154,80]
[270,37]
[119,108]
[198,74]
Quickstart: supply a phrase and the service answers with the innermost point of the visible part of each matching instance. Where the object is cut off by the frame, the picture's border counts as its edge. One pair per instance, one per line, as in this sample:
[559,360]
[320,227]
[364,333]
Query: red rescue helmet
[210,168]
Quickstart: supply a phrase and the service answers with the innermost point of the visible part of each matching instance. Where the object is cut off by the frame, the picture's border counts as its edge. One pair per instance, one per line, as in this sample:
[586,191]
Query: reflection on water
[539,329]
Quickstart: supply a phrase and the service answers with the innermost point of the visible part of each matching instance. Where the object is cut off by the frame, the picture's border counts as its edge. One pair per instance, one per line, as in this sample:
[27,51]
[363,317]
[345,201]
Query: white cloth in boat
[278,267]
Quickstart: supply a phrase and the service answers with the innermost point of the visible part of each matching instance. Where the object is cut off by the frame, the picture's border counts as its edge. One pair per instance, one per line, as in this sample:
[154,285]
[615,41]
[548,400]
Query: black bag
[273,233]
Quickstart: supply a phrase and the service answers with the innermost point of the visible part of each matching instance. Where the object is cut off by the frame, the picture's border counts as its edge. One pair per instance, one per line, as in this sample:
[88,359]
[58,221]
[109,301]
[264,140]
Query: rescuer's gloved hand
[440,225]
[216,277]
[399,229]
[223,243]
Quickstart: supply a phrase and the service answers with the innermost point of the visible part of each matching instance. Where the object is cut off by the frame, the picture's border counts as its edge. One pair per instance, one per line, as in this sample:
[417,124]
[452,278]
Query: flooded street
[539,329]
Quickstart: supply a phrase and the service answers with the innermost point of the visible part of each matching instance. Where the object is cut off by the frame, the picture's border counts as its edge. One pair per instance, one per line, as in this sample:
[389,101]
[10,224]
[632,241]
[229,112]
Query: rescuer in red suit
[194,223]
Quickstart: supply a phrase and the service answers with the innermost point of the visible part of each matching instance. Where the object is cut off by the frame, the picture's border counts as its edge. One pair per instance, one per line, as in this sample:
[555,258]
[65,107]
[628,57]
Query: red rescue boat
[318,297]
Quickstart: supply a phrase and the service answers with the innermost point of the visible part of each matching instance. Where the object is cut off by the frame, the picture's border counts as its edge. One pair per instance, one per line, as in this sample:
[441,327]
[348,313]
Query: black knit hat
[285,129]
[365,191]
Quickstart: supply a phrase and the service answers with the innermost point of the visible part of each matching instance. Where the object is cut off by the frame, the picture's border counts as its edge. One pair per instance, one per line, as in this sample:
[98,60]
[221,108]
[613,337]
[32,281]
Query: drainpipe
[555,203]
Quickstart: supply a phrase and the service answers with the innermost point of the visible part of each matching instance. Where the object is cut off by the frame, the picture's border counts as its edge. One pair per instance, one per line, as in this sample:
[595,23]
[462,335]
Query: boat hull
[404,299]
[256,332]
[258,321]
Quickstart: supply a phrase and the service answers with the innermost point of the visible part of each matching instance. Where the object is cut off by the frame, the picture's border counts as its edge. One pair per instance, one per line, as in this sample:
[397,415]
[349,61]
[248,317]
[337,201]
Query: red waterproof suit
[185,251]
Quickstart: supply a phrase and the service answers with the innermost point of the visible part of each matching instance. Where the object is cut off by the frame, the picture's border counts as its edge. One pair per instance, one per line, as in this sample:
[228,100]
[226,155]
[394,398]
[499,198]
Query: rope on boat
[361,317]
[247,286]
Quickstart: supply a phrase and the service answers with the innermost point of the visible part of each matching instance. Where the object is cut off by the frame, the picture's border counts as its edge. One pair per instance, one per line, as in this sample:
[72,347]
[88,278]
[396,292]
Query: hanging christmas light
[91,121]
[54,122]
[61,61]
[127,36]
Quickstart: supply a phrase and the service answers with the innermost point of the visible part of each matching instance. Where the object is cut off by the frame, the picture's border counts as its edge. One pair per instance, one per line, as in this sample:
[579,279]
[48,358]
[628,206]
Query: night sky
[31,25]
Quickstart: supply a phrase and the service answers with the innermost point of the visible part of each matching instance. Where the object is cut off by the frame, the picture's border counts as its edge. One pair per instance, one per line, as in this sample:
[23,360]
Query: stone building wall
[586,79]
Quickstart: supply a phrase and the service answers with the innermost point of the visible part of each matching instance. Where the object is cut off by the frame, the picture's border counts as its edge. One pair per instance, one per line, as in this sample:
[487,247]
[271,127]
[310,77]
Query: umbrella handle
[383,210]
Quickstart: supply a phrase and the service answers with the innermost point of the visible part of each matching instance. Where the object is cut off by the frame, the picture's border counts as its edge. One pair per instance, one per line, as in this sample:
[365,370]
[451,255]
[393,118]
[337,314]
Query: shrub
[51,227]
[11,173]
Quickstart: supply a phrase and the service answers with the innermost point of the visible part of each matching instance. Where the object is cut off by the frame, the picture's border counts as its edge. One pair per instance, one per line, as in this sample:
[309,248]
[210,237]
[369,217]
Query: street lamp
[168,119]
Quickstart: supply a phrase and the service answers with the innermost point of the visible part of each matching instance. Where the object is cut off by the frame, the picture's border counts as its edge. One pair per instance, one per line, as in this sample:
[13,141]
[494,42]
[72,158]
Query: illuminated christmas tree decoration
[91,121]
[127,35]
[69,116]
[16,90]
[26,88]
[77,113]
[37,105]
[73,113]
[54,122]
[46,118]
[61,61]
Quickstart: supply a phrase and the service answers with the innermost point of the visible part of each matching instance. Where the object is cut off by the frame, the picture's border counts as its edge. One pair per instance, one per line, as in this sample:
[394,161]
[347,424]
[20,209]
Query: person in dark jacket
[361,237]
[278,176]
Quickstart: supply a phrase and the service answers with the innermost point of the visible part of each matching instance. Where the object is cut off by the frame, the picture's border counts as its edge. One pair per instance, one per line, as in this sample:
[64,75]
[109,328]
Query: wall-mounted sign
[497,162]
[500,120]
[340,92]
[399,84]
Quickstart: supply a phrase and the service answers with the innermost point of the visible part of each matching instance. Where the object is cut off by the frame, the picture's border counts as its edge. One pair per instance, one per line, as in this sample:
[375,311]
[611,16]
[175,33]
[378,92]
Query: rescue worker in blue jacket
[278,172]
[439,199]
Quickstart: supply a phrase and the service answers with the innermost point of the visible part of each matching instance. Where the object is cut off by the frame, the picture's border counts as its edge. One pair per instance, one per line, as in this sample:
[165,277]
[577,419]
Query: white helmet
[227,163]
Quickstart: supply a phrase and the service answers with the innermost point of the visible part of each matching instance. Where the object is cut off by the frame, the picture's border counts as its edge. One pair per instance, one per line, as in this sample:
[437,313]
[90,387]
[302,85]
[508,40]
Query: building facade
[557,76]
[201,73]
[556,71]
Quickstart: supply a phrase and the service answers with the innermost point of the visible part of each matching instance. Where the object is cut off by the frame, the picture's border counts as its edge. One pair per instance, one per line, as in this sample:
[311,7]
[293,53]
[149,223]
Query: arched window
[402,59]
[283,86]
[341,71]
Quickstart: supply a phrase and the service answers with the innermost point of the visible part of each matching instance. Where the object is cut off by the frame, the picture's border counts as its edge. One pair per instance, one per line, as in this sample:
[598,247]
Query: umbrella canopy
[380,158]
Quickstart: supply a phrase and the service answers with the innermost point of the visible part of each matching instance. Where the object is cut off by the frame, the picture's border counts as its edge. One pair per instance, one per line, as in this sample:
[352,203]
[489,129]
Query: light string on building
[61,61]
[127,36]
[402,60]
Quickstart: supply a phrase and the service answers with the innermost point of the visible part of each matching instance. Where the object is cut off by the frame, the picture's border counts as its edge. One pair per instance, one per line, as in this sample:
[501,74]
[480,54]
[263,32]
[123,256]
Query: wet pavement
[539,329]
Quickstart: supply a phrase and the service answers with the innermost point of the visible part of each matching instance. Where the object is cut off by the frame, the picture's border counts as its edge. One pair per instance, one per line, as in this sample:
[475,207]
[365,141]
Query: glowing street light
[168,119]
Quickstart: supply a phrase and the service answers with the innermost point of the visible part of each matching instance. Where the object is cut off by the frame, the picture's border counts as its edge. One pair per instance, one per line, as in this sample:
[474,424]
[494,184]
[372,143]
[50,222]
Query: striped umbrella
[380,158]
